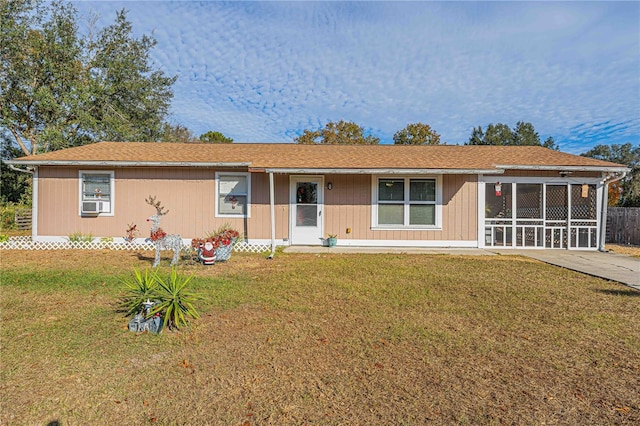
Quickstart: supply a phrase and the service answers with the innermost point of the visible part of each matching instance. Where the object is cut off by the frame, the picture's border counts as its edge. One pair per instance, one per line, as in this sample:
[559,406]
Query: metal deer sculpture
[159,237]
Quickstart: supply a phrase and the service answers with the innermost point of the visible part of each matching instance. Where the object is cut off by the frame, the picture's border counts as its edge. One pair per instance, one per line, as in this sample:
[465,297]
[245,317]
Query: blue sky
[265,71]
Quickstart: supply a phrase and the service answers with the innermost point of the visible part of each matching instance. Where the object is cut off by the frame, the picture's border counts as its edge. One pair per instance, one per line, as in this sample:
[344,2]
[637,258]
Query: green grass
[321,339]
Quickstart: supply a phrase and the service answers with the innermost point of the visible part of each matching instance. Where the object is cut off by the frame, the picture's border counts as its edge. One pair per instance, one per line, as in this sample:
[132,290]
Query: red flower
[158,234]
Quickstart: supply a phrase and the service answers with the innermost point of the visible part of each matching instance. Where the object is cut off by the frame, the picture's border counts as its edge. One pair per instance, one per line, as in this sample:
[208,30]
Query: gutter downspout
[12,167]
[605,201]
[272,209]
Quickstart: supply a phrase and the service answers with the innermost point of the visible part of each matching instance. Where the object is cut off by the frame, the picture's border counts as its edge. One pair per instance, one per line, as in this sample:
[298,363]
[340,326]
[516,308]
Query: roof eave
[563,168]
[126,163]
[374,171]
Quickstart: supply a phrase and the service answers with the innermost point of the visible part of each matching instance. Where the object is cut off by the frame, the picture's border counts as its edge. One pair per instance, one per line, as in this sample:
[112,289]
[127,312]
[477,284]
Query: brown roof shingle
[294,156]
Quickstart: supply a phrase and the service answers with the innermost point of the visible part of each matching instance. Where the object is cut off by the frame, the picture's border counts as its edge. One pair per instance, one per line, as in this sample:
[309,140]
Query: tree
[60,89]
[340,133]
[214,137]
[416,134]
[524,134]
[14,186]
[177,133]
[628,155]
[500,134]
[550,143]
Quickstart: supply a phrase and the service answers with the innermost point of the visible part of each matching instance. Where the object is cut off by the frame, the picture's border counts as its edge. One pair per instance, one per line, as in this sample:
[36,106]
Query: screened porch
[541,215]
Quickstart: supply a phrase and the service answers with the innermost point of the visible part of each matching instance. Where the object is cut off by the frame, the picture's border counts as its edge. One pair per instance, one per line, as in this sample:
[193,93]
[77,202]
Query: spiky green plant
[141,288]
[79,237]
[175,302]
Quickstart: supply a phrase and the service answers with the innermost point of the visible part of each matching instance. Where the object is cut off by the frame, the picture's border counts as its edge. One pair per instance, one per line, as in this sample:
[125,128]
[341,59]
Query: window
[96,193]
[233,194]
[407,202]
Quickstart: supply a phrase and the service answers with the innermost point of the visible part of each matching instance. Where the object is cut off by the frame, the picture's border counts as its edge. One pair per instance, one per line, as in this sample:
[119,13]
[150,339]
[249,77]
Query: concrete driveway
[610,266]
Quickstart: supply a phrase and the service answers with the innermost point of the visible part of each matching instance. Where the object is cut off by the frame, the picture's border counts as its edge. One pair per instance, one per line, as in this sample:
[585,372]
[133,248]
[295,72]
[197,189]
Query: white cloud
[265,71]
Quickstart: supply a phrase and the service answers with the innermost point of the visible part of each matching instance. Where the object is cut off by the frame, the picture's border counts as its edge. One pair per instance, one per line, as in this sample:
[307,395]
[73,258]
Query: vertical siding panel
[459,211]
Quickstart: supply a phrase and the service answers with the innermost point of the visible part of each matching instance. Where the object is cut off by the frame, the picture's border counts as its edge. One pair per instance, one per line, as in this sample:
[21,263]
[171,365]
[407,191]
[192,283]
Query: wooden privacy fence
[623,225]
[23,219]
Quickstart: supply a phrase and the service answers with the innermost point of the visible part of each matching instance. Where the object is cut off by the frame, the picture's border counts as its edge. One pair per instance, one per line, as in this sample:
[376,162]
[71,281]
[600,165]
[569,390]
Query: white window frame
[112,184]
[221,175]
[406,226]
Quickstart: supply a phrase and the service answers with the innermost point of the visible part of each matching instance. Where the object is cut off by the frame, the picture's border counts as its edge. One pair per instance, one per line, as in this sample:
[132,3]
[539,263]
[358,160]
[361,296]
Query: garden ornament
[207,253]
[159,237]
[147,306]
[142,322]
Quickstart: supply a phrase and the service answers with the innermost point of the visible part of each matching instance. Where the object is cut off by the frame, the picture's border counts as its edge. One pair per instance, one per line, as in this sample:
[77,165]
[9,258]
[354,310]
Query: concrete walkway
[610,266]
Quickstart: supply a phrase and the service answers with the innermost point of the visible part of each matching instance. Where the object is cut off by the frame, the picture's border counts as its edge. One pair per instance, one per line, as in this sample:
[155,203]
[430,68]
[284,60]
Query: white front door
[306,205]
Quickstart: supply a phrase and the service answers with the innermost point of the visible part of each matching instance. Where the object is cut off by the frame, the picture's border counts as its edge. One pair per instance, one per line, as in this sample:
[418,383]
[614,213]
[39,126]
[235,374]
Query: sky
[266,71]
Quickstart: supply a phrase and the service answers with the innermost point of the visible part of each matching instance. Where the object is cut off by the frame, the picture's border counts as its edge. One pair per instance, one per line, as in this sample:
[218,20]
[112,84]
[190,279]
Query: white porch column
[272,209]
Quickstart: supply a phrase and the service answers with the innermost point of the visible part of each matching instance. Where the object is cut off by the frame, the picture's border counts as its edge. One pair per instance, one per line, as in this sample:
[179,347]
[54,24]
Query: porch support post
[605,200]
[603,218]
[272,209]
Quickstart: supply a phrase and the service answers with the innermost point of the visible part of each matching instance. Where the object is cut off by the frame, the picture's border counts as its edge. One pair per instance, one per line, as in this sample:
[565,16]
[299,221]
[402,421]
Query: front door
[306,205]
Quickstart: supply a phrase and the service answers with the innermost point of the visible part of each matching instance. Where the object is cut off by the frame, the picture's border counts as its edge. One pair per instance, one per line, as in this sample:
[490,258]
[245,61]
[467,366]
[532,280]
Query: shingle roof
[320,157]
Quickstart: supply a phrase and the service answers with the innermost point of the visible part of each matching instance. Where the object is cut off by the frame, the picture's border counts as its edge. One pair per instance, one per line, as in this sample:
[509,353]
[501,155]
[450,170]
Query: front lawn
[320,339]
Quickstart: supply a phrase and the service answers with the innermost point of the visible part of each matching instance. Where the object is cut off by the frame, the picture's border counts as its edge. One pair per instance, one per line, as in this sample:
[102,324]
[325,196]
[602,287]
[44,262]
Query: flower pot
[331,241]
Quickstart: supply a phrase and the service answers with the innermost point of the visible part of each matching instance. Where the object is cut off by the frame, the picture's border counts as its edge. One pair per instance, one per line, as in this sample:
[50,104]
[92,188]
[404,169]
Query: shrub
[79,237]
[8,215]
[172,299]
[176,303]
[142,288]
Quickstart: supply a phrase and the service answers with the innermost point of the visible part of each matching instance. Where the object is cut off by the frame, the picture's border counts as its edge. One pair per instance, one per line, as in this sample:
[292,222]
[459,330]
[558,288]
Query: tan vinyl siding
[189,196]
[348,205]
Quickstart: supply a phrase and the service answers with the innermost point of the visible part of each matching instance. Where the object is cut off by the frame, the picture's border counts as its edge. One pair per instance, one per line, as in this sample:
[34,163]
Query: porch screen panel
[583,223]
[529,201]
[583,202]
[498,215]
[556,201]
[497,206]
[556,215]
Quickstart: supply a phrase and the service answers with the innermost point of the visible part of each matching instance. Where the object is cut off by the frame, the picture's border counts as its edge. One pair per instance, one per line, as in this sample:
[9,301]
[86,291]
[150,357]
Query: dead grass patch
[629,250]
[321,339]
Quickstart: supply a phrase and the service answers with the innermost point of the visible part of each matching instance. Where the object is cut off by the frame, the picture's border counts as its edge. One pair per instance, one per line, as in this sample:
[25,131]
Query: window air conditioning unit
[92,207]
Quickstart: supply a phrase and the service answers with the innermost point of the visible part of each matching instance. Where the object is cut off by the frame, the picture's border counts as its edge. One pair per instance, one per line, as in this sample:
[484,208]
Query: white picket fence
[26,243]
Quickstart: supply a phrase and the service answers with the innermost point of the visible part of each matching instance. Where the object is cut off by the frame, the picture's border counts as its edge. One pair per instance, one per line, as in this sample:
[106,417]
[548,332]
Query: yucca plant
[143,287]
[175,303]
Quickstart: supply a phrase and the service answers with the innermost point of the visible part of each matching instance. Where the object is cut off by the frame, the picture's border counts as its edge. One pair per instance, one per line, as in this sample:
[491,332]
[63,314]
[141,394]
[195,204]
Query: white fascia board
[386,171]
[127,163]
[564,168]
